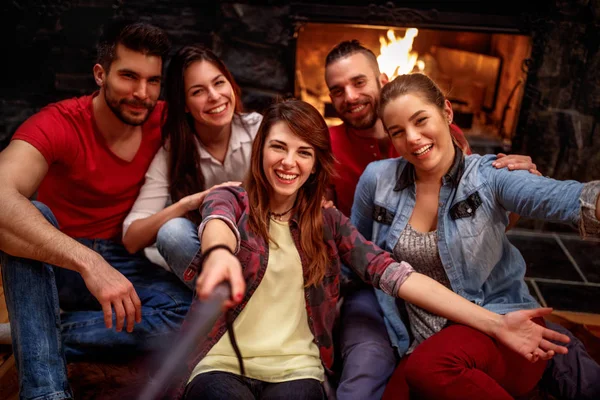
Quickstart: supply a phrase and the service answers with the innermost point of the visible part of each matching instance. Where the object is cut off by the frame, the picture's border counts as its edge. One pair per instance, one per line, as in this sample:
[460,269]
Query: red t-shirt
[354,153]
[88,188]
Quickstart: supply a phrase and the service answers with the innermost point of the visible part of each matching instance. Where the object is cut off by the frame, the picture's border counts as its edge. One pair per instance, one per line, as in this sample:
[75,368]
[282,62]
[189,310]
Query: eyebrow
[130,71]
[284,143]
[412,117]
[354,78]
[200,85]
[415,115]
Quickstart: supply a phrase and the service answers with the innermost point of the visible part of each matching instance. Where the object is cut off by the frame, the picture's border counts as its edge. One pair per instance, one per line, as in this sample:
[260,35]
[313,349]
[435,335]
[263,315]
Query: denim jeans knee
[177,241]
[33,307]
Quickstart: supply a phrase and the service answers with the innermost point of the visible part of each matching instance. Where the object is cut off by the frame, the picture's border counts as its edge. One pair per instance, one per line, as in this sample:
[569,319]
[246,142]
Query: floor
[563,272]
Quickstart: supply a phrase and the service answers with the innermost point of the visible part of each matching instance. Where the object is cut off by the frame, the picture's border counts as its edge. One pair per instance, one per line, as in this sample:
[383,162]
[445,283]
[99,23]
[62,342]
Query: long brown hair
[178,135]
[305,122]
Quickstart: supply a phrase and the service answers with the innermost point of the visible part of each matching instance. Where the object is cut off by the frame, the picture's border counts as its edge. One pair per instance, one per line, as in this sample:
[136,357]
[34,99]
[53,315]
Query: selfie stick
[199,322]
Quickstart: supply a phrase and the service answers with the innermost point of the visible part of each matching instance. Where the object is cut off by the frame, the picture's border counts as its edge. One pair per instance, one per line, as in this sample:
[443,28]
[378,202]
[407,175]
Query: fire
[396,57]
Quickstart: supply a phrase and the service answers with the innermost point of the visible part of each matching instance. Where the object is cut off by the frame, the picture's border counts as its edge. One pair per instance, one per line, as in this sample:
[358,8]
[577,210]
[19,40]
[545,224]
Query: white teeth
[423,150]
[287,177]
[358,109]
[217,110]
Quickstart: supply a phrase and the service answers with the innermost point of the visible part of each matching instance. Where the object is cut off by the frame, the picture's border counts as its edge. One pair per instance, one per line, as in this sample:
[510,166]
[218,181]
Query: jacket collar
[406,175]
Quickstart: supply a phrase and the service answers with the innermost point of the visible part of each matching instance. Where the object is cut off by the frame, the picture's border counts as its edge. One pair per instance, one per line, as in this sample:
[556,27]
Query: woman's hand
[519,333]
[221,266]
[193,201]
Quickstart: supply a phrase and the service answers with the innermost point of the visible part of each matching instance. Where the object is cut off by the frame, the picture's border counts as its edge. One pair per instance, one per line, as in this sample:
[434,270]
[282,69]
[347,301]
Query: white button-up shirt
[154,194]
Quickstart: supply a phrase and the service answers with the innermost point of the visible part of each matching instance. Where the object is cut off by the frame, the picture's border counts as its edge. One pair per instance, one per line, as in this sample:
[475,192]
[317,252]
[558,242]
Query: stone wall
[558,124]
[52,54]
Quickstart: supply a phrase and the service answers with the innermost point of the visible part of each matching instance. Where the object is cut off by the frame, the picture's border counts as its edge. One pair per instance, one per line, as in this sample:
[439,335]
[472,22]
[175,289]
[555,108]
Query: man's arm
[24,232]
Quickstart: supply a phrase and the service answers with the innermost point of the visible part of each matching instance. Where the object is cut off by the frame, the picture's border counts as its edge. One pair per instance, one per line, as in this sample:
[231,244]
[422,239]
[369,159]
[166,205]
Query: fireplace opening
[482,73]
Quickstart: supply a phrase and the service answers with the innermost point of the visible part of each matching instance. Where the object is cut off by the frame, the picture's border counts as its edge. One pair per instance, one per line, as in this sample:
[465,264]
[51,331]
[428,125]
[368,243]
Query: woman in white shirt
[207,142]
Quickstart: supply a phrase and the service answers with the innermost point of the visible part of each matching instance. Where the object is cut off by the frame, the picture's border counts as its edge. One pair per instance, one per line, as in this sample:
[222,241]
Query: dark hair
[415,83]
[136,36]
[185,176]
[307,123]
[347,48]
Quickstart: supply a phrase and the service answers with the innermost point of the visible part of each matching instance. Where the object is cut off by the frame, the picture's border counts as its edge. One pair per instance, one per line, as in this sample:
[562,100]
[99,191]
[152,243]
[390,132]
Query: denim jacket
[474,203]
[344,243]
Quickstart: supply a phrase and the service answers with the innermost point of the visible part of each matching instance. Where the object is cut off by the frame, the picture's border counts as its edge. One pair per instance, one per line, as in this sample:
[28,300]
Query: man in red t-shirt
[86,158]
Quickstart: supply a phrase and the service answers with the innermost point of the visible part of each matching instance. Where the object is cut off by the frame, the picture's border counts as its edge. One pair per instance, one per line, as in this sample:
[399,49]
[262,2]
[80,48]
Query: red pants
[462,363]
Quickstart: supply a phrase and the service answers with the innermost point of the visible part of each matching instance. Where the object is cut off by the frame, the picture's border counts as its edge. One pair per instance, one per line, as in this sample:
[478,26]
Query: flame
[396,57]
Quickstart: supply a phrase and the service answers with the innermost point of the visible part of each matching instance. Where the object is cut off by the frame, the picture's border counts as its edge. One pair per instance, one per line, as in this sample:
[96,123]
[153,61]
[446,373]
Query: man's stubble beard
[369,120]
[115,107]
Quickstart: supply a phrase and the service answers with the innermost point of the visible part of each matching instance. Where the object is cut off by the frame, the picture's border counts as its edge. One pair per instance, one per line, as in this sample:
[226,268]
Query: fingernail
[239,296]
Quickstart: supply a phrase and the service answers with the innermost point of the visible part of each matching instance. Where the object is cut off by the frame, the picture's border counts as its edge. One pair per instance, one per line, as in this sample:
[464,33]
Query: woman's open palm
[519,333]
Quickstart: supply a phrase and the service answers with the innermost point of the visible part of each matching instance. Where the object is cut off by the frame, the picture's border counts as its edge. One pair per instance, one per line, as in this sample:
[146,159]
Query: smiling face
[132,85]
[209,96]
[288,162]
[420,132]
[354,87]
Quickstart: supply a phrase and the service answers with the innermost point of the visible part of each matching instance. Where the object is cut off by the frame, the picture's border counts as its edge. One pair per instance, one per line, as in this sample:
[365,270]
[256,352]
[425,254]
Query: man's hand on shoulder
[516,162]
[114,292]
[327,203]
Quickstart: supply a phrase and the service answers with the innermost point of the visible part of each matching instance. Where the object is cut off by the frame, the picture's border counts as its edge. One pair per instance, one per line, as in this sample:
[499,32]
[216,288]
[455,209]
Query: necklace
[279,215]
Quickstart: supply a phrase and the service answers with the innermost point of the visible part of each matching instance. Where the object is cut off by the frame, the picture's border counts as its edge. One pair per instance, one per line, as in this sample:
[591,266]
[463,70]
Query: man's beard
[369,120]
[116,104]
[366,122]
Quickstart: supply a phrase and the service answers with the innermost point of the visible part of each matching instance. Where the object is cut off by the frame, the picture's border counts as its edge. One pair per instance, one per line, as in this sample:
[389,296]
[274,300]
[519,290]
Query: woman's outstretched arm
[515,330]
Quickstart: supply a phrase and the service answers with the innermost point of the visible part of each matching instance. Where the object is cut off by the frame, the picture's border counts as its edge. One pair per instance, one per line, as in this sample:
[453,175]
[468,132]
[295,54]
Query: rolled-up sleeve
[154,194]
[394,276]
[589,224]
[226,204]
[229,223]
[372,264]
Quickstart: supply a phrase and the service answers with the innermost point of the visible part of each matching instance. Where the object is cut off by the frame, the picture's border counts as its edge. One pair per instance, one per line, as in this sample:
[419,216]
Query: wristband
[206,252]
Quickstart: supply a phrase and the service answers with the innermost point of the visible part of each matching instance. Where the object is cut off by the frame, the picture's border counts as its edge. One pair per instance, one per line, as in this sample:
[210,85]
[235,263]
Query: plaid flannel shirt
[344,244]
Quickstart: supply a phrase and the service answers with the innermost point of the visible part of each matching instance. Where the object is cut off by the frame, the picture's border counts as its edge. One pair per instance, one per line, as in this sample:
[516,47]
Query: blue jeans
[368,358]
[224,385]
[54,318]
[177,241]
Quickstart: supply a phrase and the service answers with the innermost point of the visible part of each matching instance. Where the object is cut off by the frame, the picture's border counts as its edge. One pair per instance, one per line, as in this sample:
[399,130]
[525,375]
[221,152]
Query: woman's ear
[448,113]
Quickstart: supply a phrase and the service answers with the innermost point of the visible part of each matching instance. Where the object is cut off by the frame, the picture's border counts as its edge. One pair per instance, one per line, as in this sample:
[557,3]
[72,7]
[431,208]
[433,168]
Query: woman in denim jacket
[281,252]
[446,215]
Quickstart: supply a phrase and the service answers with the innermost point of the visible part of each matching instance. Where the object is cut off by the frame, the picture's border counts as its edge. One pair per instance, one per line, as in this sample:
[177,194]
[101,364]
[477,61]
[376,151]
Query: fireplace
[481,72]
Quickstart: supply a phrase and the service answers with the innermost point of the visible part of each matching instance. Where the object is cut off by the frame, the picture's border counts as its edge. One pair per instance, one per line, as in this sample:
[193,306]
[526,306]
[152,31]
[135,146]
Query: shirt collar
[406,176]
[238,137]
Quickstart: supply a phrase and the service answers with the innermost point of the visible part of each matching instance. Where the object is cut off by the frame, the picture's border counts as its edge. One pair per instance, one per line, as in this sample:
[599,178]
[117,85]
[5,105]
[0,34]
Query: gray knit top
[421,251]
